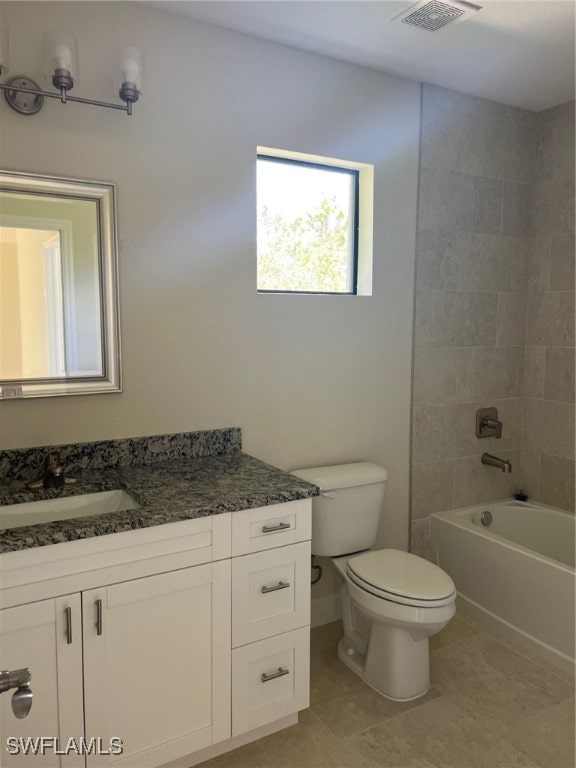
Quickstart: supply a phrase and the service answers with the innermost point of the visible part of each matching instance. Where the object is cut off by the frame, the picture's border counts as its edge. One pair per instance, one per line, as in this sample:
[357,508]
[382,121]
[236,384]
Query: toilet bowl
[392,601]
[387,624]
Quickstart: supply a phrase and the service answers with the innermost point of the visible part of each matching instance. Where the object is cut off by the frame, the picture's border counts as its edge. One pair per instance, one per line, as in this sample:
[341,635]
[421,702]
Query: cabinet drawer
[270,593]
[270,679]
[254,530]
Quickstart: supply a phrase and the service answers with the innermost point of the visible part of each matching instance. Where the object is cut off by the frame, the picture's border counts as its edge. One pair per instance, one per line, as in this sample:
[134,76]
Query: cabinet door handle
[275,528]
[275,587]
[68,614]
[98,617]
[264,678]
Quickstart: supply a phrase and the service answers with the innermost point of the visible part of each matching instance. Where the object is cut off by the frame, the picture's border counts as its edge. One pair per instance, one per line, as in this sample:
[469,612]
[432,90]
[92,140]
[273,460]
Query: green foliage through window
[307,223]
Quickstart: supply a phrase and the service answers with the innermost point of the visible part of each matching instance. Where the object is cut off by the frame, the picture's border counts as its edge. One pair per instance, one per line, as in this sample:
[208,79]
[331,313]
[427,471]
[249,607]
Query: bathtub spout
[494,461]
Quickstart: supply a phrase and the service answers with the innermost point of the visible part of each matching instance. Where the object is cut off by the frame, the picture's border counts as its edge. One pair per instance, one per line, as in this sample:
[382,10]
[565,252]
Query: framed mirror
[59,324]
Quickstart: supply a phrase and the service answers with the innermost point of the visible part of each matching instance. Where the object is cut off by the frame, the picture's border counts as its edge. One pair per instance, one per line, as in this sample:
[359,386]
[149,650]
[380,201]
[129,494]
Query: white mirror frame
[103,194]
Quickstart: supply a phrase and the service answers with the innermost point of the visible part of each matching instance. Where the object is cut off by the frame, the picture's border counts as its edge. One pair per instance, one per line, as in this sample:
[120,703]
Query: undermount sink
[65,508]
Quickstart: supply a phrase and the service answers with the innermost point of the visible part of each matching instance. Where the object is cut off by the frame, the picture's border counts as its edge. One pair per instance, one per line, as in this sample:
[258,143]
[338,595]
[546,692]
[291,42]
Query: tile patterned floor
[491,705]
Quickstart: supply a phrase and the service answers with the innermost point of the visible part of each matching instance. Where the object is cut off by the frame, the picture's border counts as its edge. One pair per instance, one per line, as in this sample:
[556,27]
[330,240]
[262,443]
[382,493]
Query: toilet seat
[402,578]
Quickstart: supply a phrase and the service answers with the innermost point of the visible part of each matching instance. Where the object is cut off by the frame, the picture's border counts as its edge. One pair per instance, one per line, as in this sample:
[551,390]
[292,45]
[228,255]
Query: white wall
[309,379]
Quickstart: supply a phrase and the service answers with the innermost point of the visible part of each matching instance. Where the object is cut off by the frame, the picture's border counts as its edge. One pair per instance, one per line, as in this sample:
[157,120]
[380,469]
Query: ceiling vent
[434,15]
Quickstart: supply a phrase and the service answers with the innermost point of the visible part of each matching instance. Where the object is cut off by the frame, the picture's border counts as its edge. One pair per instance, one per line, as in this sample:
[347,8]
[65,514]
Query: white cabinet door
[46,637]
[157,664]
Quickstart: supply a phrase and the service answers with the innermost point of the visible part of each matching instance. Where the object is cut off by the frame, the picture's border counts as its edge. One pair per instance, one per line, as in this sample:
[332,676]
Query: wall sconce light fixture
[25,96]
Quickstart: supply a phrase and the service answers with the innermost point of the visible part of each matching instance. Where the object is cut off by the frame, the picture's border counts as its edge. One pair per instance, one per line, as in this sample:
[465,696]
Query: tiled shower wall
[480,289]
[548,437]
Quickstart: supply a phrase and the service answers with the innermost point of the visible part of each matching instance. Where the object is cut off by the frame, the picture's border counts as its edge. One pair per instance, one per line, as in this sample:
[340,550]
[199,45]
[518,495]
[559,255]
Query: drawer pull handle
[275,587]
[98,617]
[281,672]
[275,528]
[68,615]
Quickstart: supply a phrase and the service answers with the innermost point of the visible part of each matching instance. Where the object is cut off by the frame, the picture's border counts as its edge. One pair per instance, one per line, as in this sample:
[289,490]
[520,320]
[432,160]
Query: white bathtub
[516,574]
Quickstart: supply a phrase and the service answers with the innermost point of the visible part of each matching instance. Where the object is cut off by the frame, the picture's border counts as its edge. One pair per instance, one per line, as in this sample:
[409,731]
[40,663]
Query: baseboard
[326,609]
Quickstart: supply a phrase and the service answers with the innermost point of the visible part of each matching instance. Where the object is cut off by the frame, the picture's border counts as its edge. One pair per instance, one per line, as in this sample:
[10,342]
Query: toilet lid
[402,574]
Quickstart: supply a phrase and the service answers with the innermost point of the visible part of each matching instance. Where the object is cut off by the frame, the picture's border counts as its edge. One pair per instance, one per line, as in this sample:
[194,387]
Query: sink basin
[66,508]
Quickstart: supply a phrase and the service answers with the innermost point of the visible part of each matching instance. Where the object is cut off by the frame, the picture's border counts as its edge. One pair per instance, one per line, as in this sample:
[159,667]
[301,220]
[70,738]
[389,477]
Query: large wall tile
[435,374]
[484,145]
[515,252]
[557,482]
[545,158]
[510,412]
[559,374]
[420,538]
[482,265]
[459,202]
[565,157]
[530,478]
[549,427]
[518,159]
[475,483]
[552,221]
[557,192]
[455,318]
[490,372]
[443,141]
[493,263]
[550,319]
[479,144]
[557,113]
[437,99]
[511,325]
[516,208]
[434,431]
[440,258]
[538,265]
[534,368]
[562,263]
[432,488]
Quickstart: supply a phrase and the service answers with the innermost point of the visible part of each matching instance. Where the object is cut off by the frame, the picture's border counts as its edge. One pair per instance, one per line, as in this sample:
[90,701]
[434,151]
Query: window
[308,217]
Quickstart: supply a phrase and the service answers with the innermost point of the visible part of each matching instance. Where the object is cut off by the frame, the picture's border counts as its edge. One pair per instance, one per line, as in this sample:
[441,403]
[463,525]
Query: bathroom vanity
[180,628]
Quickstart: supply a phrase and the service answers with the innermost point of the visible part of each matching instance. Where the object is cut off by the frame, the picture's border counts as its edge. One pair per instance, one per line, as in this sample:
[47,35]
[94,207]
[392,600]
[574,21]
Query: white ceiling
[519,52]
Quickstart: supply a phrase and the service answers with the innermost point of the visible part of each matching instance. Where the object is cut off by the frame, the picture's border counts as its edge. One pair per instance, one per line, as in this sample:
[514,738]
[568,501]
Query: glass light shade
[60,52]
[4,49]
[129,68]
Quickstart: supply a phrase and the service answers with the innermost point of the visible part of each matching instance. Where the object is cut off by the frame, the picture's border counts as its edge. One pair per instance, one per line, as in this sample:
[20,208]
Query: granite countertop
[167,491]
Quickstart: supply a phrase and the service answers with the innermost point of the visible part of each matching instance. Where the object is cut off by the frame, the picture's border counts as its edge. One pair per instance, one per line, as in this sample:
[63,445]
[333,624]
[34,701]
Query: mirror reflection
[58,313]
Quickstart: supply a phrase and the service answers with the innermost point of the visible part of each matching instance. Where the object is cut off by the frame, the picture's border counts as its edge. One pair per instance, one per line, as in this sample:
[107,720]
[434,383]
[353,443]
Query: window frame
[354,227]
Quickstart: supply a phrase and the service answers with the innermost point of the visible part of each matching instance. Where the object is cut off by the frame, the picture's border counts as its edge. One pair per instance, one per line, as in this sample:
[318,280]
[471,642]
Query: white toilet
[392,601]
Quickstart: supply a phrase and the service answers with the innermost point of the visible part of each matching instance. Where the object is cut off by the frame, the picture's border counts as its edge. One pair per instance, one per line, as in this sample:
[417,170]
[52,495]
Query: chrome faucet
[22,698]
[494,461]
[53,475]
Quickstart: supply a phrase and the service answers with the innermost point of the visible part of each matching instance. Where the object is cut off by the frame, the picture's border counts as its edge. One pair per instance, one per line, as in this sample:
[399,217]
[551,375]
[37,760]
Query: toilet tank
[346,514]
